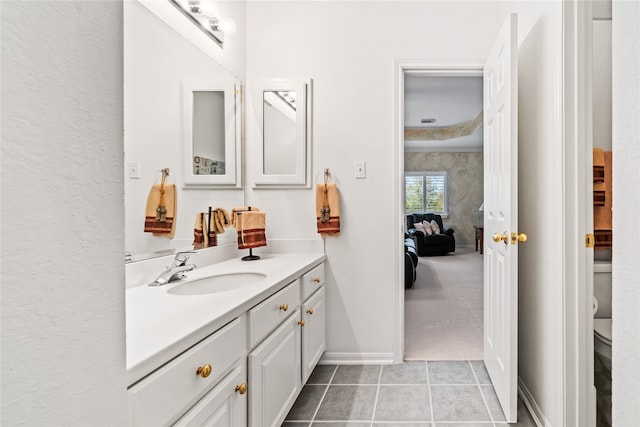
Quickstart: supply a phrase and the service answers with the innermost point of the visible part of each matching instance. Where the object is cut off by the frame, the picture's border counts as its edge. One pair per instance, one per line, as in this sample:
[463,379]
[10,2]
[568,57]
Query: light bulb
[208,8]
[227,26]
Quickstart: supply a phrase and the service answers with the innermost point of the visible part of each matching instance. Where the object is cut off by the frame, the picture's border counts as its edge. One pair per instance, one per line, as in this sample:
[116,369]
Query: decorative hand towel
[251,229]
[199,235]
[599,193]
[602,217]
[598,165]
[235,211]
[328,209]
[221,220]
[161,210]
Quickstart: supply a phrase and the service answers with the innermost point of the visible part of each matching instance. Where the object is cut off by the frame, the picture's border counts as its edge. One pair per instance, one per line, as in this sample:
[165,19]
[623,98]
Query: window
[425,192]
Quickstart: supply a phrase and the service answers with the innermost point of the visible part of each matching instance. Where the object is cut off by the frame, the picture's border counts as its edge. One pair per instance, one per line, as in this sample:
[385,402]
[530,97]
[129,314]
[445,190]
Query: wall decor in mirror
[158,60]
[211,130]
[284,147]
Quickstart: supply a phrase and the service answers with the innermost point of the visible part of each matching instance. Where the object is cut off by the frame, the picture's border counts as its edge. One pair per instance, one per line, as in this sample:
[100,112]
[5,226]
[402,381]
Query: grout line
[486,405]
[426,365]
[375,402]
[313,417]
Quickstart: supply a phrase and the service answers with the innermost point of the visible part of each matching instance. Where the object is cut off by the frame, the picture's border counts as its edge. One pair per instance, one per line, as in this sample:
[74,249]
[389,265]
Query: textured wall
[63,326]
[464,187]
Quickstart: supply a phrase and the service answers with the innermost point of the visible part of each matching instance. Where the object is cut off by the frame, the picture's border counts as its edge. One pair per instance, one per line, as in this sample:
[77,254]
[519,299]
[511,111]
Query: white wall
[349,48]
[626,200]
[63,351]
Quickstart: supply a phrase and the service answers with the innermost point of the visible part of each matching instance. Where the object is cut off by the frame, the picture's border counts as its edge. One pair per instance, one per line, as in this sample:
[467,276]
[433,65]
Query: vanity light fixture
[203,13]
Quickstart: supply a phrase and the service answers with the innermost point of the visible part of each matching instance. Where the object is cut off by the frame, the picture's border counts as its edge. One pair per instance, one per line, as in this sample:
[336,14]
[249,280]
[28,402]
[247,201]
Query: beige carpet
[444,308]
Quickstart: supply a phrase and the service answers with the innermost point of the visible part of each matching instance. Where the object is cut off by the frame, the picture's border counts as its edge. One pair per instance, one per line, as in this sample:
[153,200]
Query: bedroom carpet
[444,308]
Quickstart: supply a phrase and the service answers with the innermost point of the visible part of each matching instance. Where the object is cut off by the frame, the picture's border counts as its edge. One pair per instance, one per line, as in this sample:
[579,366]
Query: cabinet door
[224,406]
[313,332]
[274,374]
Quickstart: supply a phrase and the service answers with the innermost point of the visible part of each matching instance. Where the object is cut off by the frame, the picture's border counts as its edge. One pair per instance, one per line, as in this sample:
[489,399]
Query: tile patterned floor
[410,394]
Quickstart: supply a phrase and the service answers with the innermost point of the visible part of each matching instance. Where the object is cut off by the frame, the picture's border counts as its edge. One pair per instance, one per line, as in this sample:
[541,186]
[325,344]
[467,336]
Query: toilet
[602,340]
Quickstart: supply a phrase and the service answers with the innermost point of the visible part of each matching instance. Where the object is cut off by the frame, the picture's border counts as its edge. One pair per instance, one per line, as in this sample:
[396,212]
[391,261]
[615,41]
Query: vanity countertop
[160,325]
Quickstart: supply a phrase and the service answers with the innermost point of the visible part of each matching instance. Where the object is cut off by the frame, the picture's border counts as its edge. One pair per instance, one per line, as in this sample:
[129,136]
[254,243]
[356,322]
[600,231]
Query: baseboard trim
[532,405]
[329,358]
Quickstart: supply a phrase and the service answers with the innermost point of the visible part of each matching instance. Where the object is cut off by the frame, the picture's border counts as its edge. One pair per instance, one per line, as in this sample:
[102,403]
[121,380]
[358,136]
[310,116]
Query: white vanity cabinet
[281,364]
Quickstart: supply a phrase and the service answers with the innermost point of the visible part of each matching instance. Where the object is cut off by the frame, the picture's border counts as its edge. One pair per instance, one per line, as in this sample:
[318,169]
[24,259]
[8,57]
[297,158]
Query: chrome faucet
[176,270]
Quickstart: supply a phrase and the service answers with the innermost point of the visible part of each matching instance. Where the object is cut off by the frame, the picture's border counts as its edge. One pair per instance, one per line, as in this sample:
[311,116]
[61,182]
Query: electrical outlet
[134,170]
[360,169]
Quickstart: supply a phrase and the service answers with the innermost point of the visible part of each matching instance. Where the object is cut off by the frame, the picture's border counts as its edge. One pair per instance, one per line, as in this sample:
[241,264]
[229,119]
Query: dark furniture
[410,261]
[479,237]
[431,244]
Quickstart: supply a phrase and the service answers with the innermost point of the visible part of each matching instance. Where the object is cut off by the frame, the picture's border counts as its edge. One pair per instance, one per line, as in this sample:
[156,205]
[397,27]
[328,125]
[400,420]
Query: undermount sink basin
[217,284]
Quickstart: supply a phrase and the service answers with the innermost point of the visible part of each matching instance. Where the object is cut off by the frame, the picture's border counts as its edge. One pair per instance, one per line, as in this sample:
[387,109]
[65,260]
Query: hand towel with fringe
[328,197]
[602,215]
[250,226]
[161,210]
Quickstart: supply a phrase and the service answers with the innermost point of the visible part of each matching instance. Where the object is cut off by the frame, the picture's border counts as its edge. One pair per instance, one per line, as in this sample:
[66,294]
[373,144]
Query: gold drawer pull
[204,371]
[310,311]
[242,388]
[317,280]
[301,322]
[284,307]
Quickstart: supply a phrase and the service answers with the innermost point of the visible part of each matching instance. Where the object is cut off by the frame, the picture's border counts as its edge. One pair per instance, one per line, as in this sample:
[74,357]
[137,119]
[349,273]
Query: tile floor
[410,394]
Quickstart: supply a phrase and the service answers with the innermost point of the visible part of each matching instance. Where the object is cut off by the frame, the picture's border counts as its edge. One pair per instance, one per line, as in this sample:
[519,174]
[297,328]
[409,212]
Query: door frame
[472,67]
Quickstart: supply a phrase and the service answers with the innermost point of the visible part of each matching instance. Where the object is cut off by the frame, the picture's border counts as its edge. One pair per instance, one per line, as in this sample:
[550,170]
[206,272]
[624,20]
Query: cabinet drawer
[266,316]
[154,405]
[312,281]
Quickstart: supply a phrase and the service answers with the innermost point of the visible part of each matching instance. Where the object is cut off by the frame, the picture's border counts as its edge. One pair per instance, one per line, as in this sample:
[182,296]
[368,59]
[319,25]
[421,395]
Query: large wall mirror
[283,151]
[159,63]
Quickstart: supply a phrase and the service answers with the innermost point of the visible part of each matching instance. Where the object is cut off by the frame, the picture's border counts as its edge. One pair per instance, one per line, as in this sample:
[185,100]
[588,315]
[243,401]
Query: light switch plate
[360,169]
[134,170]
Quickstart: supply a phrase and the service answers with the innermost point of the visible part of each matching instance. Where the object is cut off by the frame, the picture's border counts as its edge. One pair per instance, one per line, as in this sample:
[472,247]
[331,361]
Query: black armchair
[431,244]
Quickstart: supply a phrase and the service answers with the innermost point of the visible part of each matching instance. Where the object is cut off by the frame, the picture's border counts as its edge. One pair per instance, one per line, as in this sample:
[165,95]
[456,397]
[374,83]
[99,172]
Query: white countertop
[160,325]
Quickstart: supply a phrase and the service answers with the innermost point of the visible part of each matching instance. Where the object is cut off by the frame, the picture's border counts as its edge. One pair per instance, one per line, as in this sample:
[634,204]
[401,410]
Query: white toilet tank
[602,288]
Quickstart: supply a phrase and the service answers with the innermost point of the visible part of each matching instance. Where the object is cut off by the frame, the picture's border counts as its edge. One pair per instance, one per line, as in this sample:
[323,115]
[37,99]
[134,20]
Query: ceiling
[451,101]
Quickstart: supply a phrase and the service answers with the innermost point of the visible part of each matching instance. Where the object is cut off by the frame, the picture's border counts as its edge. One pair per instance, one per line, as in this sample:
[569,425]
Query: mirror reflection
[208,133]
[157,62]
[279,130]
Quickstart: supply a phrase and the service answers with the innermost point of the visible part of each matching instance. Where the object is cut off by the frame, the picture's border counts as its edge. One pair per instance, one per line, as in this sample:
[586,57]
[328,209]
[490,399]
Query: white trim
[330,358]
[534,410]
[425,67]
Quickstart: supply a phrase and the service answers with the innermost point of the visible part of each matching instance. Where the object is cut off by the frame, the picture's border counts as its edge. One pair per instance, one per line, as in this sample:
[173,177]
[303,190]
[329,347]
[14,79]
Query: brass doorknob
[522,237]
[301,322]
[242,388]
[498,237]
[317,280]
[310,311]
[204,371]
[515,238]
[284,307]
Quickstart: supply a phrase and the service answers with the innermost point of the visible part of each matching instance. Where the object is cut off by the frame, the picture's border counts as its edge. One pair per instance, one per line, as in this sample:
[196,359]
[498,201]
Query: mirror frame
[233,157]
[303,136]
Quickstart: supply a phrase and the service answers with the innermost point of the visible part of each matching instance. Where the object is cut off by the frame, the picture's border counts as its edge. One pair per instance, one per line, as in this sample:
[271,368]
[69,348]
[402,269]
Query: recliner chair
[431,244]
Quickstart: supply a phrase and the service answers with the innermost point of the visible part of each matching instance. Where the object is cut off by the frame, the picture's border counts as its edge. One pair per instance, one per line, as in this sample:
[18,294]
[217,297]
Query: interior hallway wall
[349,49]
[464,188]
[626,211]
[63,322]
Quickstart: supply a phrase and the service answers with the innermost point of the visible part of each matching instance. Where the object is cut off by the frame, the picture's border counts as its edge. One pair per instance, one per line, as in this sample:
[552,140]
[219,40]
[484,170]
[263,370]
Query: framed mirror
[210,142]
[283,150]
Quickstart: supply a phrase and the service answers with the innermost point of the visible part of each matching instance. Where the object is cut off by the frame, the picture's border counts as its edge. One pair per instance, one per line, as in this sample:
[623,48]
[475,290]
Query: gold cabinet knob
[498,237]
[522,237]
[204,371]
[242,388]
[310,311]
[317,280]
[515,238]
[284,307]
[301,322]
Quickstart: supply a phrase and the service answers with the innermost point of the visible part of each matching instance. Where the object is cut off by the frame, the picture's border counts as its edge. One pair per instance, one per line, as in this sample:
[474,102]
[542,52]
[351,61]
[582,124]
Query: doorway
[443,174]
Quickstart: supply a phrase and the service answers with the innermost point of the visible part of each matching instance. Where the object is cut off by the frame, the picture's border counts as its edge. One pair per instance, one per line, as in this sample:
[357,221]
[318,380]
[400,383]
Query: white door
[501,216]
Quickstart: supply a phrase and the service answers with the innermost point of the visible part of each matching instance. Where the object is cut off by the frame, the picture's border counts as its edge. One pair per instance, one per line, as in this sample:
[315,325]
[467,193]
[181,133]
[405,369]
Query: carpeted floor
[444,308]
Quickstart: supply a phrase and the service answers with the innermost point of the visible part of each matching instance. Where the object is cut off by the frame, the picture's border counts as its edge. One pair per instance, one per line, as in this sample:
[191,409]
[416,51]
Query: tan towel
[200,237]
[235,211]
[599,193]
[598,165]
[602,216]
[327,197]
[160,212]
[220,220]
[250,226]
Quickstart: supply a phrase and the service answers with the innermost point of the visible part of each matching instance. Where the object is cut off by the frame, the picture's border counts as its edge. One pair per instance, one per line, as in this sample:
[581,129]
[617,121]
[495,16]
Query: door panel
[501,216]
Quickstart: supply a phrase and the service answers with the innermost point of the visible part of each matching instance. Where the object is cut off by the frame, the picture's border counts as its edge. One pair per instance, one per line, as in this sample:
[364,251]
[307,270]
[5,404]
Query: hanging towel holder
[251,256]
